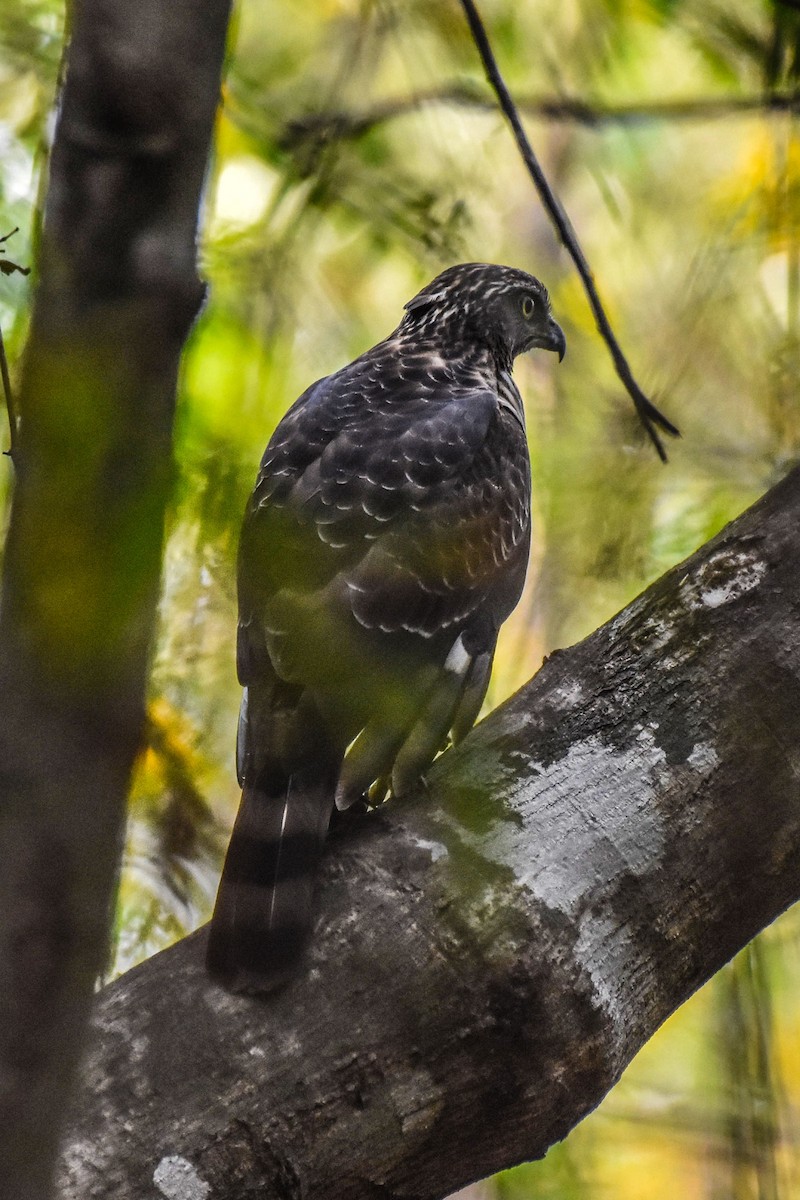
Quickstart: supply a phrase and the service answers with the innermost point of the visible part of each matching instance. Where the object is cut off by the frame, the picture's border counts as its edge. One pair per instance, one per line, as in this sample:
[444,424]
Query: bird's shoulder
[382,434]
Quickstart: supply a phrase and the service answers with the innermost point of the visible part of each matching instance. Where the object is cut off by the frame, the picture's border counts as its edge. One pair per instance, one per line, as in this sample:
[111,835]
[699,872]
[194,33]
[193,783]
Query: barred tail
[264,910]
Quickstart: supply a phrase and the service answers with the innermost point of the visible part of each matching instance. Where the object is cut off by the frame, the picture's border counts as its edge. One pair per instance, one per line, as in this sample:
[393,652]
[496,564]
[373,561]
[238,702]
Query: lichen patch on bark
[177,1179]
[726,576]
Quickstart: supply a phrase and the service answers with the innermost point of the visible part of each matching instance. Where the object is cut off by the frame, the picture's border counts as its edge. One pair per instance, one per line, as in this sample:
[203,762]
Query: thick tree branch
[118,290]
[490,957]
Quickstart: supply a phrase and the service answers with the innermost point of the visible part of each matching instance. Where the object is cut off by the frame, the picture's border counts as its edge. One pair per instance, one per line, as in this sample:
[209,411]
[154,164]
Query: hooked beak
[552,338]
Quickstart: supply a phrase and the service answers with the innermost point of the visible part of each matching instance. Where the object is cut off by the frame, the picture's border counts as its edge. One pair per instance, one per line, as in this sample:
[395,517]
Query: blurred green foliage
[356,155]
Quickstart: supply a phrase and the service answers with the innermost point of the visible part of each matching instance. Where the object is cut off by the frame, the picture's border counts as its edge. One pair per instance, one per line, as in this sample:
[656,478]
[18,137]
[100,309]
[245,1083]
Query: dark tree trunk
[490,957]
[117,293]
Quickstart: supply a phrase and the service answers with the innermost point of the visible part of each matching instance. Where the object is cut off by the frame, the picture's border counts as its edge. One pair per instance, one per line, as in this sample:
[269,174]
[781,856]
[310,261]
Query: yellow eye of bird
[527,307]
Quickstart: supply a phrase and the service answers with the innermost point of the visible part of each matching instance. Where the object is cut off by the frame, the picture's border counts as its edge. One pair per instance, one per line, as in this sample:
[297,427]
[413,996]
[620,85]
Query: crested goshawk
[385,543]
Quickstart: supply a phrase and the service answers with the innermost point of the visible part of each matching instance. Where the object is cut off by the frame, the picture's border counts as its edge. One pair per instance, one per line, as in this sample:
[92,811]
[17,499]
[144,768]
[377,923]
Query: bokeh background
[358,152]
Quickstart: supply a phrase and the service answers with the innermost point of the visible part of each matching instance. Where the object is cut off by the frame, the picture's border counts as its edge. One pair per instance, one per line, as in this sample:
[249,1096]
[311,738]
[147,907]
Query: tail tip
[250,963]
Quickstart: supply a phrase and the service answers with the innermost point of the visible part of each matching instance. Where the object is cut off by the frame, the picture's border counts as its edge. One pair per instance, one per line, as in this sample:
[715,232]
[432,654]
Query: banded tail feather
[265,904]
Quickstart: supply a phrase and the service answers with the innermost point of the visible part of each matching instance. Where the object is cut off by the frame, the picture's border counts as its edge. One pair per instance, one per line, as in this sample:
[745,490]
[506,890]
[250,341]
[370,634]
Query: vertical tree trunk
[118,291]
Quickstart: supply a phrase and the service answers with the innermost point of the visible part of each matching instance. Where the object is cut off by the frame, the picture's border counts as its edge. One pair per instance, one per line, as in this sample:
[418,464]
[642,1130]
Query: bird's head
[501,307]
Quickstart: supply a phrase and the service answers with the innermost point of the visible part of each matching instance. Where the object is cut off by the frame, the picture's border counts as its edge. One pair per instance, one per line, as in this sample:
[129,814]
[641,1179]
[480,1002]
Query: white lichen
[618,787]
[177,1179]
[569,694]
[726,576]
[729,574]
[703,757]
[417,1100]
[567,838]
[436,850]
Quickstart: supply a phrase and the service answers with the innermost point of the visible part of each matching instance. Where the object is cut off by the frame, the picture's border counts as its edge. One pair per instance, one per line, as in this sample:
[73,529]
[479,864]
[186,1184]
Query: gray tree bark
[117,292]
[491,956]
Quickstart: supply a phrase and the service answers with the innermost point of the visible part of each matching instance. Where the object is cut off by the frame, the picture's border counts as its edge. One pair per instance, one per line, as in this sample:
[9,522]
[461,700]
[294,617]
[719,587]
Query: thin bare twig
[649,415]
[12,417]
[7,267]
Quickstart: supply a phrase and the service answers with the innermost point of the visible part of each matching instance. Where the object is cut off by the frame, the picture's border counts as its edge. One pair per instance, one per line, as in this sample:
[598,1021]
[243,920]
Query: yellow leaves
[173,844]
[243,191]
[760,196]
[170,751]
[20,99]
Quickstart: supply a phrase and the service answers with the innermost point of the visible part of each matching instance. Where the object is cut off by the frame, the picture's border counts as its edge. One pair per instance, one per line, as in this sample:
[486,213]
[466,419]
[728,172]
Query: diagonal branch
[490,957]
[650,416]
